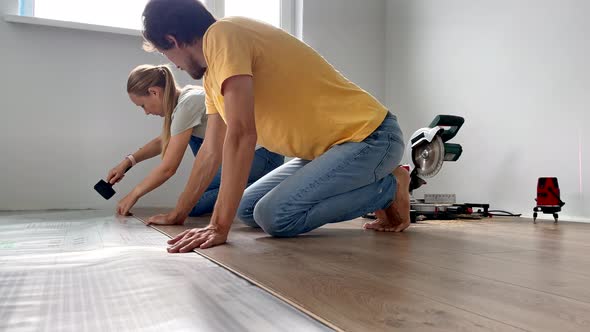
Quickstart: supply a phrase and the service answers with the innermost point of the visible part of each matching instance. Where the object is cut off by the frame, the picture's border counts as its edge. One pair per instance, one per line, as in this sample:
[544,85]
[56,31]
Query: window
[115,13]
[126,13]
[264,10]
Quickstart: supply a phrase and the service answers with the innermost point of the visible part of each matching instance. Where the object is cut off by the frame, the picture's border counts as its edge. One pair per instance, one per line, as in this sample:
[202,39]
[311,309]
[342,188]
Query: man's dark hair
[185,20]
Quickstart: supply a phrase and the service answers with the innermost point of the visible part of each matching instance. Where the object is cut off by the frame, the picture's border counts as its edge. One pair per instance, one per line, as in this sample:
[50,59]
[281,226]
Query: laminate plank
[432,277]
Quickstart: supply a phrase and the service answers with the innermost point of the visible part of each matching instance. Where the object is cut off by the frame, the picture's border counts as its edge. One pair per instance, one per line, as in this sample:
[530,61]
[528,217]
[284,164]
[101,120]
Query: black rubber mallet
[105,189]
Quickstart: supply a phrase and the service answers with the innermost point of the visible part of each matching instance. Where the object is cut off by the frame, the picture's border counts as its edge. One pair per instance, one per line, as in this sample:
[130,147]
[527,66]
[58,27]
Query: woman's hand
[118,172]
[126,204]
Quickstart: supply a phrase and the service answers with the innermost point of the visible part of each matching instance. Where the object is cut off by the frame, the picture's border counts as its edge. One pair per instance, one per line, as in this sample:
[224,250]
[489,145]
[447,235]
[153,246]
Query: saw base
[423,211]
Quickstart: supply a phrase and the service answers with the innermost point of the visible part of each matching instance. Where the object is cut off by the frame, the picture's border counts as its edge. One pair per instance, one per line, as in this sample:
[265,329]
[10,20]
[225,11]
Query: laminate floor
[498,274]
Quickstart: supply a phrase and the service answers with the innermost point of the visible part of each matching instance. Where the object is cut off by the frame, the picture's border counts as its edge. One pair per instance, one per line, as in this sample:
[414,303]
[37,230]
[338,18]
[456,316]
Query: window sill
[70,25]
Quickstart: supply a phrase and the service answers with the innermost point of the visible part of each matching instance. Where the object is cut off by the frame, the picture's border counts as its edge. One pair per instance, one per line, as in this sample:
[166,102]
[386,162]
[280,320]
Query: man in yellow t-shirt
[264,86]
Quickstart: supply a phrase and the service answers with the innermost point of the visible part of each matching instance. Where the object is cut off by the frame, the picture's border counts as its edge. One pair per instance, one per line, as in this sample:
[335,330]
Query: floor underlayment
[498,274]
[91,271]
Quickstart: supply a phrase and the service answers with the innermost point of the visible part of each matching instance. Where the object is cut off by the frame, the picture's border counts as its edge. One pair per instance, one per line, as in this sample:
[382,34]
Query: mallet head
[104,189]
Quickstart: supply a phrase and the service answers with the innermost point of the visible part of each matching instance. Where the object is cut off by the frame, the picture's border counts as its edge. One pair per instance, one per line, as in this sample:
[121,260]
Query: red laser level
[548,198]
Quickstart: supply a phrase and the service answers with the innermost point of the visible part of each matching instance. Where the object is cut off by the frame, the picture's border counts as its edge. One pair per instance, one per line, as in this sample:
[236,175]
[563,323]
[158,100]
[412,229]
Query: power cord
[502,213]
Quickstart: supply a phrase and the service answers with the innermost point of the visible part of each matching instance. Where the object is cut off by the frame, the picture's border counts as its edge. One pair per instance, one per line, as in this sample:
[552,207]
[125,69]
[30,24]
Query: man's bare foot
[396,217]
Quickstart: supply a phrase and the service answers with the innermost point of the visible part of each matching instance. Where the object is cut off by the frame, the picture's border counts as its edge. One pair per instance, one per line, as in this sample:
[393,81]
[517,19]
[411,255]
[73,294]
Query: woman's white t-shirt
[190,112]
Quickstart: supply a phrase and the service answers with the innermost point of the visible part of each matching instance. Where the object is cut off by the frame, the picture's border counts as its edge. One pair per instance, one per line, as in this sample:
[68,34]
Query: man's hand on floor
[202,238]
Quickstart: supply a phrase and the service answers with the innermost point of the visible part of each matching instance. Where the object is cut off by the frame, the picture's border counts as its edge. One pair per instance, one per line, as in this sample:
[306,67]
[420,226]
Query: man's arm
[238,150]
[204,168]
[238,153]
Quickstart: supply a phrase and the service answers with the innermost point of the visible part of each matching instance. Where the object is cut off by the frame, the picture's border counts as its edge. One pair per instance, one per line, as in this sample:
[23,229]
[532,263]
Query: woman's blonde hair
[146,76]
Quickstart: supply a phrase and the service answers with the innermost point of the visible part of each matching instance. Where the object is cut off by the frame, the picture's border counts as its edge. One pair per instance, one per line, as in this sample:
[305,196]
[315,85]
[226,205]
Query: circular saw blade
[429,157]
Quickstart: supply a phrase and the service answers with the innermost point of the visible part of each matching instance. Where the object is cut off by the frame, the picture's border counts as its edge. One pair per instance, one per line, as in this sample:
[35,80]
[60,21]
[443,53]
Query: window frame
[26,8]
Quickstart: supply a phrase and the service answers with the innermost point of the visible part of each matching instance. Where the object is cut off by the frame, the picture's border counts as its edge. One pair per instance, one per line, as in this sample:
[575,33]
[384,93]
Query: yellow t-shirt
[303,106]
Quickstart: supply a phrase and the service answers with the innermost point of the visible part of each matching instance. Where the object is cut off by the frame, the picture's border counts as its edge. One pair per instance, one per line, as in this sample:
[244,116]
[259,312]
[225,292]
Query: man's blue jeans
[347,181]
[264,162]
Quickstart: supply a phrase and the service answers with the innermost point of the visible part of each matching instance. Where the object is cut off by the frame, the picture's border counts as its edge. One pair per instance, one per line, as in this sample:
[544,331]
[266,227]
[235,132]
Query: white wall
[518,72]
[66,118]
[350,34]
[65,115]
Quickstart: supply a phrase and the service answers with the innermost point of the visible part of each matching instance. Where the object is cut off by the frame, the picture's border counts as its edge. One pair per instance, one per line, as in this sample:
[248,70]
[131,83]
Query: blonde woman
[154,89]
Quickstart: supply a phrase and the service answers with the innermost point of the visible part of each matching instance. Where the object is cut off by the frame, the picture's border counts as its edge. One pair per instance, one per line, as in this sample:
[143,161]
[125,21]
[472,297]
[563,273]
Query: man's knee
[271,217]
[245,214]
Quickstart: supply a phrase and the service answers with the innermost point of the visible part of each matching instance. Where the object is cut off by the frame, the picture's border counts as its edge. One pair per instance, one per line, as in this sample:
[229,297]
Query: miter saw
[429,149]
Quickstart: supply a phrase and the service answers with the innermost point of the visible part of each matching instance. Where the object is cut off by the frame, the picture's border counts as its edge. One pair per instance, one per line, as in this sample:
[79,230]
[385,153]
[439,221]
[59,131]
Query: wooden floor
[499,274]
